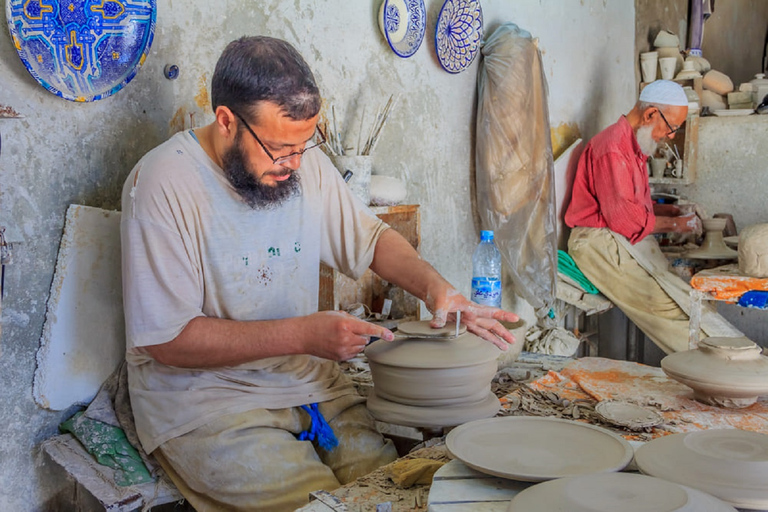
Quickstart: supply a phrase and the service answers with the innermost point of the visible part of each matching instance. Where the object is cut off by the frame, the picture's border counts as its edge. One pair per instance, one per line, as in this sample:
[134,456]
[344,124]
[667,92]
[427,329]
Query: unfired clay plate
[629,415]
[534,449]
[419,327]
[612,492]
[466,350]
[730,464]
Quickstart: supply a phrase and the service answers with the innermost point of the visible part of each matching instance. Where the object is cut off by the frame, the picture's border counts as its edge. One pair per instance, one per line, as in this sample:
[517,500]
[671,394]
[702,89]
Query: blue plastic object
[319,429]
[754,299]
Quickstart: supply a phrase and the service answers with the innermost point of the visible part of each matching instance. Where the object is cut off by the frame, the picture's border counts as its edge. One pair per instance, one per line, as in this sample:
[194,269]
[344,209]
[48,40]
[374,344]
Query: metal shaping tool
[458,323]
[329,500]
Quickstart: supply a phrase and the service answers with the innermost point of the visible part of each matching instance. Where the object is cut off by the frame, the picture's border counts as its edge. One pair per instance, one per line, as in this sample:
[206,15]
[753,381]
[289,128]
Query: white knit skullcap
[664,92]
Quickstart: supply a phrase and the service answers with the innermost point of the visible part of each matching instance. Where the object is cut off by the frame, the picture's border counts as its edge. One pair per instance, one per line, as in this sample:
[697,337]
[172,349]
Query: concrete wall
[63,152]
[735,38]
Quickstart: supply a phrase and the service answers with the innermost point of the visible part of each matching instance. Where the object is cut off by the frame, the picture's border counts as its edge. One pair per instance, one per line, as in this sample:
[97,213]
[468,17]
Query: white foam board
[83,337]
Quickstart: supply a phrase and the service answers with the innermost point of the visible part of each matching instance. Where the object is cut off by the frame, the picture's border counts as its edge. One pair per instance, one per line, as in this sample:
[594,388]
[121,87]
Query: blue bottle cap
[486,236]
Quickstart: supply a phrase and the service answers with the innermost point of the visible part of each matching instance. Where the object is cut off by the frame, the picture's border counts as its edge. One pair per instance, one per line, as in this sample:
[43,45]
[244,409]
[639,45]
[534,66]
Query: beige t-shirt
[192,247]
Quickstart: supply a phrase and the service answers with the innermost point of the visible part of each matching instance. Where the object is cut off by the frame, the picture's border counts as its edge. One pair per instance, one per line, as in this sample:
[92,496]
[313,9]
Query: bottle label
[486,291]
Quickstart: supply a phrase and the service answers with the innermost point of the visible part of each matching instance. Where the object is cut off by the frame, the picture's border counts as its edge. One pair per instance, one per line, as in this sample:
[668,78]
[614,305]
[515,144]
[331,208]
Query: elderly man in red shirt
[612,215]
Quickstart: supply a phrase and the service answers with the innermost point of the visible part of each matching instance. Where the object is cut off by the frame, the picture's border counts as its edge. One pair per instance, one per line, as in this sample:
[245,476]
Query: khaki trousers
[253,461]
[630,287]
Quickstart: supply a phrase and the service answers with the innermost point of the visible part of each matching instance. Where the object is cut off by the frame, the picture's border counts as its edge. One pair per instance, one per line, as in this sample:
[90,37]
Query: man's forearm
[213,342]
[396,261]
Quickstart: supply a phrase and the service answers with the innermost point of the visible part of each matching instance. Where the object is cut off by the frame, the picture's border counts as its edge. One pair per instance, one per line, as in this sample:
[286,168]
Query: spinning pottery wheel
[432,383]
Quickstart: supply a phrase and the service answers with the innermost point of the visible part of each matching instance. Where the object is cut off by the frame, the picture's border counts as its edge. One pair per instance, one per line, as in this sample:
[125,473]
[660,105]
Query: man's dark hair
[259,68]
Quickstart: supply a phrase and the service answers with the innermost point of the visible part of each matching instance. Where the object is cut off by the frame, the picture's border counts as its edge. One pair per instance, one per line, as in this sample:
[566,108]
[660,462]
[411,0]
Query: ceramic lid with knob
[721,366]
[466,350]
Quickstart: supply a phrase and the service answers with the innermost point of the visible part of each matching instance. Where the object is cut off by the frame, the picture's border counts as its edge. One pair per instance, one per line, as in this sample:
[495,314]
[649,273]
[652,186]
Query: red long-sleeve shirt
[611,187]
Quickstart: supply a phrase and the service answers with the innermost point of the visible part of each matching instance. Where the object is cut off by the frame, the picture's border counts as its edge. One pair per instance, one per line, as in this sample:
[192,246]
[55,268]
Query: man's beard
[256,193]
[645,140]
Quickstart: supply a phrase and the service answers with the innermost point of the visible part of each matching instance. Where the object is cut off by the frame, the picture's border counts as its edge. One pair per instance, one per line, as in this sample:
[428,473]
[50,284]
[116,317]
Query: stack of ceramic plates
[612,492]
[729,464]
[534,449]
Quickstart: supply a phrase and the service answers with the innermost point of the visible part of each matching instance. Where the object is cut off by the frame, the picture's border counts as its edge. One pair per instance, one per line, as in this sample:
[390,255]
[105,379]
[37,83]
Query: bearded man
[232,371]
[612,215]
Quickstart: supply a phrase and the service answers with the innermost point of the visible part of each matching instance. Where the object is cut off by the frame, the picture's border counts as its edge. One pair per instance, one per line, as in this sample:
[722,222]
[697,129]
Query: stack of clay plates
[612,492]
[729,464]
[534,449]
[432,381]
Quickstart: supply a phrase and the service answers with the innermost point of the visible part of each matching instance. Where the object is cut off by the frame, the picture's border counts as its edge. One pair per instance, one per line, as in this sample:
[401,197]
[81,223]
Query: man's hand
[480,320]
[339,336]
[688,223]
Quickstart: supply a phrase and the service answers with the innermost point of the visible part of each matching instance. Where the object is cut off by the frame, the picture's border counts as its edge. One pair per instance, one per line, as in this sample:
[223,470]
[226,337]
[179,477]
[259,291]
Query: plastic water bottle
[486,272]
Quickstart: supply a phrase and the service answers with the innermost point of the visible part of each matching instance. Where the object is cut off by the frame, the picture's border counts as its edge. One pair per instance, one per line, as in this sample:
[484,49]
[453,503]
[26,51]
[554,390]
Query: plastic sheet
[514,167]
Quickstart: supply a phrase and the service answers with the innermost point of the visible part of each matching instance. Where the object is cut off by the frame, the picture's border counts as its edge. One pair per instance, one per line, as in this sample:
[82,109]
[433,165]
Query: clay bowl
[726,372]
[713,247]
[730,464]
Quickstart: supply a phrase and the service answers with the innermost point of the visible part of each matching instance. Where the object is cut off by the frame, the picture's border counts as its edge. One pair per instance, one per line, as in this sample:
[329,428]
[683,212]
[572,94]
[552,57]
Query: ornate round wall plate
[458,34]
[82,50]
[403,23]
[534,449]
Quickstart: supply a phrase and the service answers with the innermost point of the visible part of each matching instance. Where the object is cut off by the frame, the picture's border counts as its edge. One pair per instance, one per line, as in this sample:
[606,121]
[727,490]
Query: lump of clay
[700,64]
[753,250]
[718,82]
[666,39]
[713,100]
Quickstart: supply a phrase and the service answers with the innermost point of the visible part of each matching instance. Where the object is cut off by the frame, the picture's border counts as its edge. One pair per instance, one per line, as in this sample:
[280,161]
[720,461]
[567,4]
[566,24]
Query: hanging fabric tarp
[513,155]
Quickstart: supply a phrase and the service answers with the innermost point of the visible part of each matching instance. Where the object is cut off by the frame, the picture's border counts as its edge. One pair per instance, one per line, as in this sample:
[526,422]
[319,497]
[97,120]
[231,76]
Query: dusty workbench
[376,491]
[537,385]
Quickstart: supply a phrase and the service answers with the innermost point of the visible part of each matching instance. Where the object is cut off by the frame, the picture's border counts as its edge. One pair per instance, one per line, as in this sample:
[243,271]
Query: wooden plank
[458,487]
[99,480]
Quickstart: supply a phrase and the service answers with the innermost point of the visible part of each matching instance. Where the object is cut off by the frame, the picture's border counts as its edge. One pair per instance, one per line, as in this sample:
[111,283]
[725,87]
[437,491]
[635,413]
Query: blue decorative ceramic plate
[82,50]
[403,23]
[458,34]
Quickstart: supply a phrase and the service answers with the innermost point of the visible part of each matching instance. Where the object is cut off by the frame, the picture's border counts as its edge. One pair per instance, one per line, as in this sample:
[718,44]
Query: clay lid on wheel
[726,362]
[419,327]
[611,492]
[466,350]
[730,464]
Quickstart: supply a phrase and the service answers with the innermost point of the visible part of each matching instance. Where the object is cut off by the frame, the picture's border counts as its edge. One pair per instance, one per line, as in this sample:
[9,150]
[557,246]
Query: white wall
[63,152]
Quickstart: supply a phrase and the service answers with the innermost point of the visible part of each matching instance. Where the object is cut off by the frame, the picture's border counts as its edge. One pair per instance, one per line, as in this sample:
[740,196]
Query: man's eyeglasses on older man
[318,141]
[672,131]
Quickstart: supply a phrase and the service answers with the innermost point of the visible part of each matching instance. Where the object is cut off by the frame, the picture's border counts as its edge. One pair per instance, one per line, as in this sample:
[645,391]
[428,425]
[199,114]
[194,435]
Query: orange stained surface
[608,379]
[727,283]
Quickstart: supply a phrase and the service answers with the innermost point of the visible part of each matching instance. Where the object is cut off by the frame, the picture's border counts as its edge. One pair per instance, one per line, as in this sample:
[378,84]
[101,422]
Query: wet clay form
[713,247]
[534,449]
[611,492]
[730,464]
[432,382]
[628,415]
[727,372]
[753,250]
[419,327]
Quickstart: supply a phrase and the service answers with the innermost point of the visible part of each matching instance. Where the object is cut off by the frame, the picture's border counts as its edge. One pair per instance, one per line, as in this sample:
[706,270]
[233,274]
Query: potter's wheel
[432,382]
[727,372]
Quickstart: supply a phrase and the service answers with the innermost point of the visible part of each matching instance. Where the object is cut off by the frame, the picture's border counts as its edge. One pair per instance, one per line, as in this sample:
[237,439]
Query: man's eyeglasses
[282,159]
[672,131]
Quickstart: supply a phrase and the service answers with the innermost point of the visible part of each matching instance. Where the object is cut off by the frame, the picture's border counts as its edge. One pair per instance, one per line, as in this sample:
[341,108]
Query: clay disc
[611,492]
[466,350]
[533,449]
[421,327]
[628,415]
[730,464]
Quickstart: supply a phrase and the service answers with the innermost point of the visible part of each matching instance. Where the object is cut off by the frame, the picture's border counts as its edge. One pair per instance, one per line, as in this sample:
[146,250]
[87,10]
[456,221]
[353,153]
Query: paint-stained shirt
[192,247]
[611,189]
